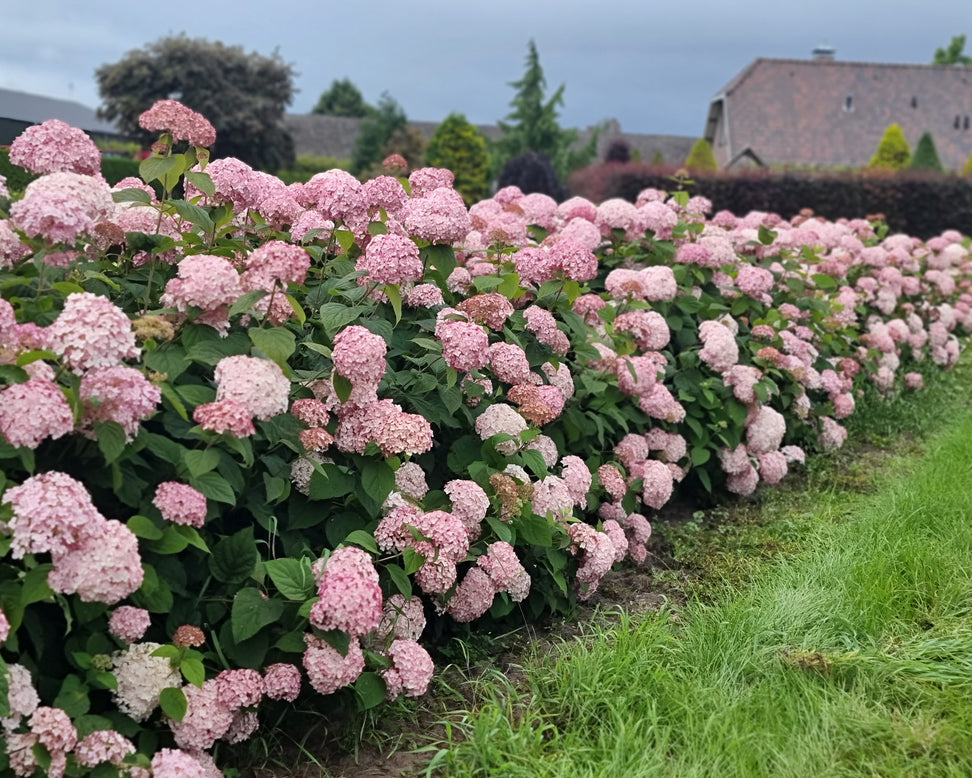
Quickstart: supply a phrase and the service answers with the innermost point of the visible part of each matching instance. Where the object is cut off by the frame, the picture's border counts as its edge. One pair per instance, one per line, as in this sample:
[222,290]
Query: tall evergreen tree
[532,124]
[893,151]
[926,155]
[457,145]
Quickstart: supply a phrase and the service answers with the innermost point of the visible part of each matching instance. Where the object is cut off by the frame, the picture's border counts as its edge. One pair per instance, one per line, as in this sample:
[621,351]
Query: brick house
[824,112]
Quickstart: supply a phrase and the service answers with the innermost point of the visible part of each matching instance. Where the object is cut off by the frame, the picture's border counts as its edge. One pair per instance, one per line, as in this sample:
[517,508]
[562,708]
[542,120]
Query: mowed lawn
[851,657]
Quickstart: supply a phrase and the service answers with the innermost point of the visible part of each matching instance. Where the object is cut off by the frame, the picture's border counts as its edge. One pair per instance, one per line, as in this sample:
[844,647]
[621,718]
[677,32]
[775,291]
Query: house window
[958,122]
[849,103]
[965,123]
[914,102]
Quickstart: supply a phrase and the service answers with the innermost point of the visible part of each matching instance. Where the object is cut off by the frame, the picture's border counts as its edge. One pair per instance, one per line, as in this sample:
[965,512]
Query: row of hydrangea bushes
[255,439]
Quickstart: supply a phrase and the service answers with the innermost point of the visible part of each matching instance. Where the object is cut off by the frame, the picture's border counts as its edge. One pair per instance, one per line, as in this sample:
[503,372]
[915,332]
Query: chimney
[824,53]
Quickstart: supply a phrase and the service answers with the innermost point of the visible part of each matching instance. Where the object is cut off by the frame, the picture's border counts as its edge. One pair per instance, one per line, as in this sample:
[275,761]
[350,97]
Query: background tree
[243,94]
[893,151]
[967,167]
[701,156]
[374,133]
[926,155]
[531,171]
[342,98]
[532,125]
[952,54]
[457,145]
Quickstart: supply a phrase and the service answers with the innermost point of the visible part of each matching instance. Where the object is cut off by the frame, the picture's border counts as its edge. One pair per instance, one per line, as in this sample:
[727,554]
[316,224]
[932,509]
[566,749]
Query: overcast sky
[652,65]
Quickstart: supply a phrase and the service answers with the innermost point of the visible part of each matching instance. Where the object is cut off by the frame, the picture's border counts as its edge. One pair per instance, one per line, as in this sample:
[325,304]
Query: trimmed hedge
[114,169]
[916,202]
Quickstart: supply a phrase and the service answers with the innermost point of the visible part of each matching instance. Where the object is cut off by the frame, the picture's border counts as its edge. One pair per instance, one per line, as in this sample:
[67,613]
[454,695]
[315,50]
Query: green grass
[845,649]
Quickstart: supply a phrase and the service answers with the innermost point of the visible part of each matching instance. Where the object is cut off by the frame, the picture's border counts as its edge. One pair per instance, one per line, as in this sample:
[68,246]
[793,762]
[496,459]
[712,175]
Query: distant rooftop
[34,109]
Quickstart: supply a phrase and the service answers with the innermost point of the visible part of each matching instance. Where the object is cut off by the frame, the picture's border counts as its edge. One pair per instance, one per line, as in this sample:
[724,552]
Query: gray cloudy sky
[653,66]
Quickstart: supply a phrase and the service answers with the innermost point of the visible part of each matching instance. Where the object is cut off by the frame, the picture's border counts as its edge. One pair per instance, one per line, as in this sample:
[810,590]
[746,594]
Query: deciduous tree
[243,94]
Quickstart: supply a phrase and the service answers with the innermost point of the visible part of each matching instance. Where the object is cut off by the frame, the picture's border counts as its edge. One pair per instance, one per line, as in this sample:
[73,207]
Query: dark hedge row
[919,203]
[114,169]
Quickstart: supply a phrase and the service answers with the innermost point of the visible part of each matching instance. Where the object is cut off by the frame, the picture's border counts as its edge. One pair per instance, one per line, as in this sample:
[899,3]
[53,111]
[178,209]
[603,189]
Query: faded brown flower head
[154,327]
[188,635]
[506,489]
[490,308]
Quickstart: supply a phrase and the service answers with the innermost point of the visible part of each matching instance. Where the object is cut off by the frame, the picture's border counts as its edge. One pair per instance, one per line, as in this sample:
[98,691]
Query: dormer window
[958,122]
[914,102]
[965,123]
[848,103]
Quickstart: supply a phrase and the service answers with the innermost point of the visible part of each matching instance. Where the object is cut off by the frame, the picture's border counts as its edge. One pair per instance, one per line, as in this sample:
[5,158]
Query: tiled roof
[34,109]
[829,112]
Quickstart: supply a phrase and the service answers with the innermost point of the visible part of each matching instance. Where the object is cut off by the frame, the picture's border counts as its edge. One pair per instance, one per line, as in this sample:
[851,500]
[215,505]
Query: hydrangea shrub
[255,438]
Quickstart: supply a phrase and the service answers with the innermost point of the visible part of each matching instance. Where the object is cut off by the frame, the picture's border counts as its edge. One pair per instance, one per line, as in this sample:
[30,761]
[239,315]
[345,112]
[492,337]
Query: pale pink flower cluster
[445,543]
[489,308]
[229,416]
[349,597]
[54,146]
[391,259]
[385,423]
[472,597]
[180,503]
[465,345]
[180,122]
[597,555]
[103,745]
[176,762]
[764,432]
[33,411]
[438,216]
[648,328]
[410,671]
[258,384]
[129,623]
[402,618]
[282,681]
[22,698]
[501,418]
[541,323]
[119,394]
[327,669]
[427,179]
[207,282]
[62,206]
[537,404]
[359,356]
[271,267]
[719,348]
[505,571]
[470,504]
[91,331]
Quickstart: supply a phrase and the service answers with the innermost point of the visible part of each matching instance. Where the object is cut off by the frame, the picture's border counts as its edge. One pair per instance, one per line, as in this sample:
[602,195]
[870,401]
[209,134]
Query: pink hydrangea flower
[719,350]
[105,567]
[657,484]
[239,688]
[612,481]
[206,719]
[103,745]
[658,282]
[391,259]
[505,571]
[469,504]
[180,503]
[282,681]
[51,512]
[541,323]
[577,476]
[648,328]
[175,762]
[501,418]
[551,495]
[33,411]
[402,618]
[54,146]
[53,729]
[230,416]
[427,179]
[336,194]
[208,282]
[473,596]
[119,394]
[259,384]
[596,552]
[180,122]
[537,404]
[327,670]
[411,669]
[765,431]
[91,331]
[439,216]
[349,597]
[129,623]
[359,356]
[62,206]
[465,345]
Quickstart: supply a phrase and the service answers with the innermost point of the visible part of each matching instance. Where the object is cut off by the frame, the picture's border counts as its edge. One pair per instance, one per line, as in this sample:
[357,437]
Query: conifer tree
[342,98]
[926,156]
[457,145]
[532,125]
[701,156]
[893,151]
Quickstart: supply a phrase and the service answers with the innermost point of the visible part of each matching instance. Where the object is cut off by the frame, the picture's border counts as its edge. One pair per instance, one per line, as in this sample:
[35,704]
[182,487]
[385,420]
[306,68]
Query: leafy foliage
[243,94]
[953,53]
[701,157]
[531,171]
[342,98]
[458,146]
[375,132]
[893,151]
